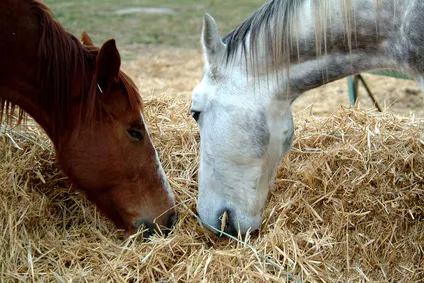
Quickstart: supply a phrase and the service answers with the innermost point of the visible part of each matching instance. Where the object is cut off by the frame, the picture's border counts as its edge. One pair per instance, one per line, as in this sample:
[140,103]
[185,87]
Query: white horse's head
[243,106]
[246,127]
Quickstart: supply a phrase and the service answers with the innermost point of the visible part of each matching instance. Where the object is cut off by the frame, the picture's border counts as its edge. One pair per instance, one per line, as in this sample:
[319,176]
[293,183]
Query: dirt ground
[175,71]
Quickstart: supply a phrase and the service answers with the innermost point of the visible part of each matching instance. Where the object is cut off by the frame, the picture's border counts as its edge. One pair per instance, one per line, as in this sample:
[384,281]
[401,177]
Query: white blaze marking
[161,172]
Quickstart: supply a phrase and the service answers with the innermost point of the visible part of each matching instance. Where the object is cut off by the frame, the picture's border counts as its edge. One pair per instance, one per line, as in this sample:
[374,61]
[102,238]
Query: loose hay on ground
[348,204]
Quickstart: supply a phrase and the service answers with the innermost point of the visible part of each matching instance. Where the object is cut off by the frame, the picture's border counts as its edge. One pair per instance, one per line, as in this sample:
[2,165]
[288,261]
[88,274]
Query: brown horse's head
[109,154]
[89,108]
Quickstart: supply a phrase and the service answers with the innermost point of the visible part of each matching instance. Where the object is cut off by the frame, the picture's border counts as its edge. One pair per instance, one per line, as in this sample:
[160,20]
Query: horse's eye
[136,135]
[195,114]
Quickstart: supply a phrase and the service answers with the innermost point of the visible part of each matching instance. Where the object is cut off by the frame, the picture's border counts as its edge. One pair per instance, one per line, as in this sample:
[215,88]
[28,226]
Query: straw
[347,205]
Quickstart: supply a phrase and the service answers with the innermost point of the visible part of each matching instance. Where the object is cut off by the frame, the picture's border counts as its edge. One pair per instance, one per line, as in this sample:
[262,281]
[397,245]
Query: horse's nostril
[147,233]
[172,220]
[146,226]
[228,225]
[224,222]
[149,228]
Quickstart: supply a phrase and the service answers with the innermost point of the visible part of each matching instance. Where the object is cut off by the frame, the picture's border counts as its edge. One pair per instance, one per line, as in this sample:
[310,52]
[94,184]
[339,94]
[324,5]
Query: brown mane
[91,111]
[66,66]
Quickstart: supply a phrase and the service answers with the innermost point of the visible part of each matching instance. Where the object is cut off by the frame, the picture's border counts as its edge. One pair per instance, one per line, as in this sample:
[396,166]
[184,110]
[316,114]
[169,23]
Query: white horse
[252,76]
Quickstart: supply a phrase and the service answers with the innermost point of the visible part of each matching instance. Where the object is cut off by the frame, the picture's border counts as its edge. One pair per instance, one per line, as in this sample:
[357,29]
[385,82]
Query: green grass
[181,28]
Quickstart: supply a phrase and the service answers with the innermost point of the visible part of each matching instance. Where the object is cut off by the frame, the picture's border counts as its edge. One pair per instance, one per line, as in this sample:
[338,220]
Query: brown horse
[91,111]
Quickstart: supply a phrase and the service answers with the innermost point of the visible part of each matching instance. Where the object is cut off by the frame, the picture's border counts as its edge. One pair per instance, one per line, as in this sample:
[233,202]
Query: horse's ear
[85,39]
[211,41]
[108,62]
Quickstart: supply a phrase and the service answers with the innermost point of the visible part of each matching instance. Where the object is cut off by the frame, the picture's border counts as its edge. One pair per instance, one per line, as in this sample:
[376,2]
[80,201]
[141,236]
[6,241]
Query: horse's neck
[19,61]
[324,51]
[316,72]
[21,81]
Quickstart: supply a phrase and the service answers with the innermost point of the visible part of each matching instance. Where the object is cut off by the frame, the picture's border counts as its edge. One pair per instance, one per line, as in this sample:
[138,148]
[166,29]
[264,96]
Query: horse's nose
[146,226]
[228,223]
[171,220]
[149,227]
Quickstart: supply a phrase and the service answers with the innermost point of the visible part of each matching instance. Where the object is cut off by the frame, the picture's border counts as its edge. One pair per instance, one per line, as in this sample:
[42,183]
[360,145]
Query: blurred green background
[159,22]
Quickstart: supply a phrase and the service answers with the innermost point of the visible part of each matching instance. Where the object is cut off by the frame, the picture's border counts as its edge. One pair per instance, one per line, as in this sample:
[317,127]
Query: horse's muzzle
[149,227]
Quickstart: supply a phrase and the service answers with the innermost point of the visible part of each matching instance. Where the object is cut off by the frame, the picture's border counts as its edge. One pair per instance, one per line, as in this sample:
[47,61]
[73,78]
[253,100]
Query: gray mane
[340,37]
[281,14]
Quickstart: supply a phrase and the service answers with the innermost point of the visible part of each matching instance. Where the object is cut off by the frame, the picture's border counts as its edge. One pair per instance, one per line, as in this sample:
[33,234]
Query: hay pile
[348,204]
